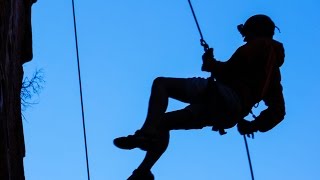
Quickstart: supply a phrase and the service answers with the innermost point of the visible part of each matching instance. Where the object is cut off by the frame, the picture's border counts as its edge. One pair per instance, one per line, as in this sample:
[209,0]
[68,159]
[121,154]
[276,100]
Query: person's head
[257,26]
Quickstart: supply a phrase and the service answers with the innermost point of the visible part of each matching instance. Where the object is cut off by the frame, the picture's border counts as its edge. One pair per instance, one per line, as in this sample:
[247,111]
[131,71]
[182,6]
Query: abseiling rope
[80,87]
[248,154]
[206,47]
[202,41]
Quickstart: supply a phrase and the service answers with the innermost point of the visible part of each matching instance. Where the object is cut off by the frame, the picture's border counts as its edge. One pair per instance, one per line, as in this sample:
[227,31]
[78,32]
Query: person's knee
[158,82]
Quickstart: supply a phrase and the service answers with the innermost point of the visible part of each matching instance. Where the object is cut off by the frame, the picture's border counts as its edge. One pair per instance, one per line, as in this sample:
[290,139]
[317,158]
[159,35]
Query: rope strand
[248,154]
[80,87]
[206,47]
[202,41]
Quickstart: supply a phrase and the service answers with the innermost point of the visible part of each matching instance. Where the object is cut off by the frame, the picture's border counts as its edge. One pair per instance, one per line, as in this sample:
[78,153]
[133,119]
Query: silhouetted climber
[251,74]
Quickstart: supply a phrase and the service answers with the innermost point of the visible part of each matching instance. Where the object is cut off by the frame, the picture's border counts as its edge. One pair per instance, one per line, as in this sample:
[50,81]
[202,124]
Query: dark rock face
[15,49]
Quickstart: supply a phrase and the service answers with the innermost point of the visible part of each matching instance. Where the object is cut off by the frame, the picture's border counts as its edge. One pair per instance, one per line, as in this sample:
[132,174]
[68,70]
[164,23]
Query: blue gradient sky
[123,46]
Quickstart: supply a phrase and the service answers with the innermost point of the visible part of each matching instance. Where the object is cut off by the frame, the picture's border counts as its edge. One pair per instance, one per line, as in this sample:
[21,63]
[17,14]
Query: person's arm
[272,115]
[275,112]
[220,70]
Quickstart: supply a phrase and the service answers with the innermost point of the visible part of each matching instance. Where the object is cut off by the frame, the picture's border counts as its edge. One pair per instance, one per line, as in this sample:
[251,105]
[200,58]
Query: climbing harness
[220,129]
[80,87]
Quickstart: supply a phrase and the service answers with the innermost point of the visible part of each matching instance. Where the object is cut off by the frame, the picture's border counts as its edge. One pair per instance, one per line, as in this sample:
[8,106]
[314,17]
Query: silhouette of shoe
[141,175]
[138,140]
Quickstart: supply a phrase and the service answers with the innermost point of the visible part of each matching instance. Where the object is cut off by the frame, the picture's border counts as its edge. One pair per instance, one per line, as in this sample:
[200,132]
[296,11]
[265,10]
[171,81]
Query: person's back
[251,69]
[266,85]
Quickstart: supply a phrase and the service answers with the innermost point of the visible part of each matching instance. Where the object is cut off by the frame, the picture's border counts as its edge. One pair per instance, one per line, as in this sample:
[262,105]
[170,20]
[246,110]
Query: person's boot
[138,140]
[141,175]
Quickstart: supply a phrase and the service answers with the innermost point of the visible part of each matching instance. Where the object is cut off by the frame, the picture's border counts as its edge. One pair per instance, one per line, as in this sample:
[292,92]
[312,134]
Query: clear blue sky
[123,46]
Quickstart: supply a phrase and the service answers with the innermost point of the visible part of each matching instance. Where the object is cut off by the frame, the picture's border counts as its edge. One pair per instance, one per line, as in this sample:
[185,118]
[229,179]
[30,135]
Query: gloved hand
[246,127]
[207,60]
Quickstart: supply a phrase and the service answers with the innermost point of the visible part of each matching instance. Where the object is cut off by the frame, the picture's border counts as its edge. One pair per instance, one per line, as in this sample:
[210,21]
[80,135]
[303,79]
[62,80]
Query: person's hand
[207,60]
[246,127]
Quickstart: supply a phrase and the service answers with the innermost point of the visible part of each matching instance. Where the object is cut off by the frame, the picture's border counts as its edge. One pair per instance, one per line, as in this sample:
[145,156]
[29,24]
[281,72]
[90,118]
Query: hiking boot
[138,140]
[141,175]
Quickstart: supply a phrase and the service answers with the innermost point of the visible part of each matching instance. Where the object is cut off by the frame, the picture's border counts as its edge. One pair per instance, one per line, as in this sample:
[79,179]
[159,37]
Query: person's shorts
[211,105]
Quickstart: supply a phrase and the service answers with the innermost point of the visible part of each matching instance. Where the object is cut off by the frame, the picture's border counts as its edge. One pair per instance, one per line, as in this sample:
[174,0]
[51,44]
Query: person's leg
[180,119]
[195,116]
[186,90]
[153,155]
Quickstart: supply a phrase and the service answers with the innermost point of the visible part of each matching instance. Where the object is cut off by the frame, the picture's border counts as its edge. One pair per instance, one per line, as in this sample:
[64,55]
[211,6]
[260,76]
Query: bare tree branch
[30,87]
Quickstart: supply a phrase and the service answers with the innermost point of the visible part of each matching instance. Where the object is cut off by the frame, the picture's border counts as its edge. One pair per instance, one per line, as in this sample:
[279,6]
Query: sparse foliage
[30,87]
